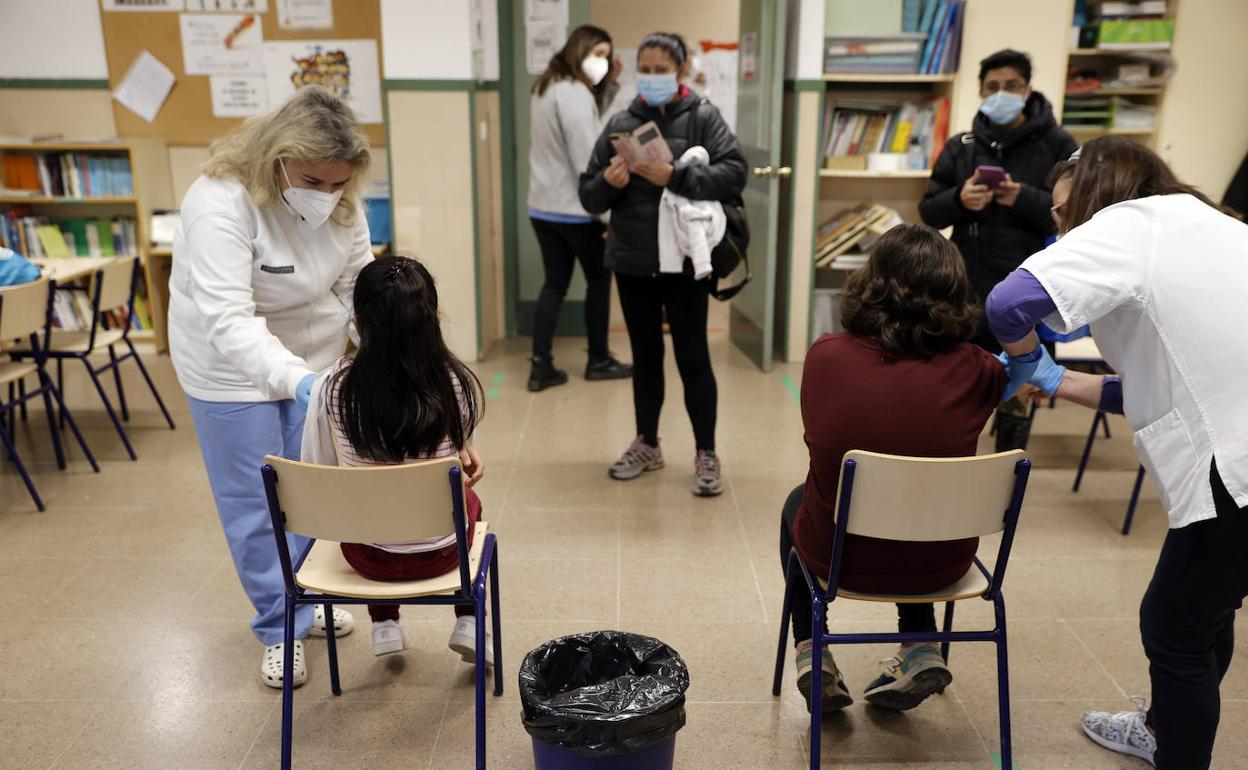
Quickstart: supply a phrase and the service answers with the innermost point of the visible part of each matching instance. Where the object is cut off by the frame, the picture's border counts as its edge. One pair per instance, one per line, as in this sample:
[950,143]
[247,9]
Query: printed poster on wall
[348,68]
[146,85]
[251,6]
[305,14]
[222,44]
[238,97]
[144,5]
[543,39]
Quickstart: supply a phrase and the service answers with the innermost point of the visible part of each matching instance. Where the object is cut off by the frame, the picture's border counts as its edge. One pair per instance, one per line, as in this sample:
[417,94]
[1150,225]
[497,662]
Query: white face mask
[595,68]
[313,206]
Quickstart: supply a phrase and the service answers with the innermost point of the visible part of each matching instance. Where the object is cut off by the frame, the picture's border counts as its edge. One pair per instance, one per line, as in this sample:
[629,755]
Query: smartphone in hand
[992,176]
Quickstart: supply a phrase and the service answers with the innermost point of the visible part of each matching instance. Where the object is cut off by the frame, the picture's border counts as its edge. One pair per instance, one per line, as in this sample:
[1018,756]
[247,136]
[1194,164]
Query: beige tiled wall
[431,192]
[75,114]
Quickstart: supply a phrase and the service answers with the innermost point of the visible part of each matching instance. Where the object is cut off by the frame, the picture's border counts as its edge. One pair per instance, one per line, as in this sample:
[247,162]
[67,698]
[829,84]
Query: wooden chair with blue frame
[112,286]
[917,499]
[384,504]
[26,314]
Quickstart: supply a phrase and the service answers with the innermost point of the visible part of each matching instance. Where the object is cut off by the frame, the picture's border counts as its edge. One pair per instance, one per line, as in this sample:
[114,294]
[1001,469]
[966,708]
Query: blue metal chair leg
[108,406]
[1087,451]
[1105,424]
[60,385]
[1003,687]
[785,614]
[21,469]
[479,607]
[331,644]
[151,385]
[288,679]
[947,626]
[1135,498]
[21,392]
[56,434]
[816,683]
[121,390]
[66,416]
[497,622]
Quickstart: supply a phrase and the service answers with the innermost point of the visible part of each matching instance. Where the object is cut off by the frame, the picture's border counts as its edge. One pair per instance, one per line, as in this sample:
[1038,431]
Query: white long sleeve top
[257,298]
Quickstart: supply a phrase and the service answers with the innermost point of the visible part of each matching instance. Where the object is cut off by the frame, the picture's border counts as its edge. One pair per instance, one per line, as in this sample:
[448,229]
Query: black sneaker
[607,369]
[1012,430]
[543,374]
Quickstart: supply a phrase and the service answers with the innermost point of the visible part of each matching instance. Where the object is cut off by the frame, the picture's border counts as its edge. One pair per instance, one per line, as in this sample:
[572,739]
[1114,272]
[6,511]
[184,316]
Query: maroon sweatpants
[376,564]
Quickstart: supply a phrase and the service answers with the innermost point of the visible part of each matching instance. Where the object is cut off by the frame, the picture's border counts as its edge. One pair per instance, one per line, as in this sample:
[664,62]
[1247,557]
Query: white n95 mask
[313,206]
[595,68]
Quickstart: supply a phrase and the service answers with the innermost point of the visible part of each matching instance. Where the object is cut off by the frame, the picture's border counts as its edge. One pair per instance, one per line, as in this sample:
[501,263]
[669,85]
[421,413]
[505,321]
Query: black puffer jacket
[633,233]
[996,240]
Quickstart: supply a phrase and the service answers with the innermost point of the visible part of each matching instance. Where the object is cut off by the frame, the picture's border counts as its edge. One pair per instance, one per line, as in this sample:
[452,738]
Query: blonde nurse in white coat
[1161,274]
[264,263]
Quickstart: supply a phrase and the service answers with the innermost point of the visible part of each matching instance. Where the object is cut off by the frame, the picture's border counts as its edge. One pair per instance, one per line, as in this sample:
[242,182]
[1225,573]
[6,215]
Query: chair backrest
[384,504]
[24,309]
[116,281]
[924,499]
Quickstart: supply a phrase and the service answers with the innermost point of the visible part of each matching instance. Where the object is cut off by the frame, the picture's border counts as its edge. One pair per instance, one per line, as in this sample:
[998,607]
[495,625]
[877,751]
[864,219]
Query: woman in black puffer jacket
[646,295]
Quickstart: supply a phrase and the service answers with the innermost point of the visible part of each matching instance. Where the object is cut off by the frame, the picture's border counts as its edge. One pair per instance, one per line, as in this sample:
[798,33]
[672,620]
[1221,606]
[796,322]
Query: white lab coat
[1164,282]
[689,228]
[258,299]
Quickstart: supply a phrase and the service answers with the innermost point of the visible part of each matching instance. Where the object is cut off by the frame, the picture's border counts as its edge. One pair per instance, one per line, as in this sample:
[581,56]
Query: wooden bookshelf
[866,77]
[837,173]
[1118,51]
[152,188]
[1144,91]
[1103,131]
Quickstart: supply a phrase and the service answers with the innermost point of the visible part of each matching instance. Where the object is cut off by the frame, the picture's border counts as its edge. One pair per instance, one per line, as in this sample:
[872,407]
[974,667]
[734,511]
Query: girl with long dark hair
[405,398]
[564,124]
[1161,274]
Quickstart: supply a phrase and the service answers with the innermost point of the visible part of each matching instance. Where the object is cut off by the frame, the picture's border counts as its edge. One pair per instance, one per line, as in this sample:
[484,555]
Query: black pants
[910,617]
[1187,621]
[645,301]
[562,246]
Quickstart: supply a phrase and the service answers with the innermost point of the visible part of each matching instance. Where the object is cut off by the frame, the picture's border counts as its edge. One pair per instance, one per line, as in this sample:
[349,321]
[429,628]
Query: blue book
[942,45]
[929,12]
[910,15]
[127,181]
[942,6]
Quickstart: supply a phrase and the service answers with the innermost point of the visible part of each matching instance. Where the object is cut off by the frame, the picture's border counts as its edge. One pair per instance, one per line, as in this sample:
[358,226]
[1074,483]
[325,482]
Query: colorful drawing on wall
[348,68]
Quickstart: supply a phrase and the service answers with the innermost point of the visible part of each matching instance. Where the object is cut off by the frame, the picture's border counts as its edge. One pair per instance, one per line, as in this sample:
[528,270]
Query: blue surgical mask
[1003,107]
[657,89]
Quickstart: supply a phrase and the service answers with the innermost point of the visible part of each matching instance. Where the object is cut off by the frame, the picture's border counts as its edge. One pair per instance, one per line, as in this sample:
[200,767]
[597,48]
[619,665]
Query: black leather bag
[732,252]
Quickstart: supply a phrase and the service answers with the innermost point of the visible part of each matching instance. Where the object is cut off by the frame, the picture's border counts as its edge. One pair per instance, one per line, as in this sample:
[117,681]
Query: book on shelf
[72,310]
[1118,8]
[41,237]
[1134,33]
[859,226]
[926,38]
[854,129]
[69,174]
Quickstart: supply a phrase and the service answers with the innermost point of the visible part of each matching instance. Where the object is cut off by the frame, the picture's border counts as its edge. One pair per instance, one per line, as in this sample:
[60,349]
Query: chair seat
[326,570]
[972,585]
[75,342]
[12,371]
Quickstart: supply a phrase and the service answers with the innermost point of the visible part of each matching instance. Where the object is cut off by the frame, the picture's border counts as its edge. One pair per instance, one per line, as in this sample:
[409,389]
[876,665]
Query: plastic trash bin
[604,700]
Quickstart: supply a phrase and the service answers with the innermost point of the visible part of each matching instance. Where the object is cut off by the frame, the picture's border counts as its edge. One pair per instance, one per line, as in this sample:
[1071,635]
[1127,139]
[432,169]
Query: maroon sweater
[853,397]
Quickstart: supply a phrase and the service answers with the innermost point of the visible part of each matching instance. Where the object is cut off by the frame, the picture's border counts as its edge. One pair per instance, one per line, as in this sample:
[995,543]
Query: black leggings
[645,301]
[910,617]
[1187,621]
[562,245]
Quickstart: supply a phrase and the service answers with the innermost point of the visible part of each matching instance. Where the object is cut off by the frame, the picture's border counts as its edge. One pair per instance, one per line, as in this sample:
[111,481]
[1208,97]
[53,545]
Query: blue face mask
[657,89]
[1003,107]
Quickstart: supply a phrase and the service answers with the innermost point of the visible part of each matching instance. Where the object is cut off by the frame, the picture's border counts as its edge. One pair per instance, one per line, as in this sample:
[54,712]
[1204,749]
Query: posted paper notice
[145,87]
[222,44]
[238,97]
[305,14]
[348,68]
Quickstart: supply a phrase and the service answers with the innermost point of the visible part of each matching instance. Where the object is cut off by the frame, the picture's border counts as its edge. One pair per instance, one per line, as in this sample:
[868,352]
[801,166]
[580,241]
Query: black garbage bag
[603,693]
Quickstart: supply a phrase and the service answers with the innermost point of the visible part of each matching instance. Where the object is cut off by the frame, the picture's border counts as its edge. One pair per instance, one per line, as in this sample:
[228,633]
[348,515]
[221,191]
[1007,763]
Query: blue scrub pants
[234,439]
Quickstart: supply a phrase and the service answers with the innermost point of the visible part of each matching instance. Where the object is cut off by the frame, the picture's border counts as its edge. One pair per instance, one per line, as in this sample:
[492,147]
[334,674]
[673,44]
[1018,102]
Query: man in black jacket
[998,225]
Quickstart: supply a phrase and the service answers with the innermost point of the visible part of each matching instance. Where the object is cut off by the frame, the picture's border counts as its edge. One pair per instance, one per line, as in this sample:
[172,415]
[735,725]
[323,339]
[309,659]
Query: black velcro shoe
[544,375]
[607,369]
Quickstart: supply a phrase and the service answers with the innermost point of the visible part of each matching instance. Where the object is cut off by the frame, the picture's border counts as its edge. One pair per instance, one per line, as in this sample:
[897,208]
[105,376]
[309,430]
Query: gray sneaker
[707,480]
[636,460]
[1125,732]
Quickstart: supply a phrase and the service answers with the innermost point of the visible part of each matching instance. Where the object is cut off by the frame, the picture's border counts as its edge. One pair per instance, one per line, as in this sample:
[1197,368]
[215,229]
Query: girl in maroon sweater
[904,381]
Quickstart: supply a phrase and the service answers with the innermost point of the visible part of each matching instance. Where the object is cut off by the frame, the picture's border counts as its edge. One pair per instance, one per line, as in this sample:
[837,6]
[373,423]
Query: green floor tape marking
[794,390]
[492,393]
[996,760]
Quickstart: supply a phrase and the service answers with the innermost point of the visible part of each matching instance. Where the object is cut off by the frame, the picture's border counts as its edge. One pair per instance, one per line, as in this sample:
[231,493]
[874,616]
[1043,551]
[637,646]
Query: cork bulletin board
[186,117]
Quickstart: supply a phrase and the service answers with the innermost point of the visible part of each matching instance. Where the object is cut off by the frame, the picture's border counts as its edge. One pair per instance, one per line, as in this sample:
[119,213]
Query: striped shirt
[348,457]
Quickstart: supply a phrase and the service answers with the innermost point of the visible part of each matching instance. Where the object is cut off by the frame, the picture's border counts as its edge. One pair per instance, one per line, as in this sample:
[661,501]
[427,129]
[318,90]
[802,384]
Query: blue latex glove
[303,391]
[1019,369]
[1048,374]
[1048,335]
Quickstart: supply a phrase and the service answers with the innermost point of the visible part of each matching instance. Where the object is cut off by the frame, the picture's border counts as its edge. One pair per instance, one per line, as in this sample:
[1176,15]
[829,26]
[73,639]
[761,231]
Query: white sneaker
[1123,732]
[464,640]
[909,678]
[389,636]
[343,622]
[271,666]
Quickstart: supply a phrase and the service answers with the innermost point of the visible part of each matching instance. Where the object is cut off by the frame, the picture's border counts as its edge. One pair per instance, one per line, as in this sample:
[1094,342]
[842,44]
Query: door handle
[763,171]
[784,172]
